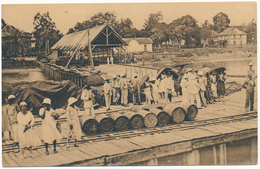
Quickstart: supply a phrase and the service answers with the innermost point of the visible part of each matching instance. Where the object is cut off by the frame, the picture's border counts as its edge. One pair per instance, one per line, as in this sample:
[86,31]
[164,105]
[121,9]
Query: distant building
[233,36]
[139,44]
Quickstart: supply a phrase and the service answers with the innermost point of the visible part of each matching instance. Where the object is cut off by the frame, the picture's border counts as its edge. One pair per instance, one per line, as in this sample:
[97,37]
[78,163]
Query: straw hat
[115,76]
[200,73]
[71,100]
[47,101]
[23,104]
[189,70]
[11,97]
[250,64]
[123,74]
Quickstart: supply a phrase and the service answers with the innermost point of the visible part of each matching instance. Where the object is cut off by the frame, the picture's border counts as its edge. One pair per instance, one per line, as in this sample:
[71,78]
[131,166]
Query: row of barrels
[138,117]
[59,73]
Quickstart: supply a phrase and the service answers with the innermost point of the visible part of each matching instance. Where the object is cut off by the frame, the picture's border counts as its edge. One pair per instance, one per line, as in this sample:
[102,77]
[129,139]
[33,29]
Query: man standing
[135,89]
[193,88]
[112,60]
[249,85]
[107,93]
[202,88]
[169,84]
[124,90]
[115,90]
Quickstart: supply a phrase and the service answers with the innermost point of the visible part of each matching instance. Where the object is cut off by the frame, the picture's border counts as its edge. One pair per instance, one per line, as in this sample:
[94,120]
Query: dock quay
[215,137]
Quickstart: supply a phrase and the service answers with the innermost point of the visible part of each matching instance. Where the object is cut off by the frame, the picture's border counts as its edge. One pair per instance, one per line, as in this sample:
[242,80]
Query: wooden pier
[214,130]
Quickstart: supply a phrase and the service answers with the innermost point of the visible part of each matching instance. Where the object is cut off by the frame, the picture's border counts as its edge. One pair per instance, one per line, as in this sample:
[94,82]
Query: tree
[153,21]
[185,28]
[45,32]
[205,32]
[97,19]
[3,23]
[221,22]
[15,43]
[125,28]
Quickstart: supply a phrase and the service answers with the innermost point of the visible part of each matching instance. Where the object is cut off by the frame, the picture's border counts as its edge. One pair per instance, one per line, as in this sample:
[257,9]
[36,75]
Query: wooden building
[139,44]
[101,39]
[233,36]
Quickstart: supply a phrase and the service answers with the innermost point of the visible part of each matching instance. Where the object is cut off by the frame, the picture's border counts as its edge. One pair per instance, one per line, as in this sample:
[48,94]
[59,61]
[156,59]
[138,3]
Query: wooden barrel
[121,122]
[105,123]
[176,112]
[162,116]
[89,125]
[191,111]
[150,119]
[136,120]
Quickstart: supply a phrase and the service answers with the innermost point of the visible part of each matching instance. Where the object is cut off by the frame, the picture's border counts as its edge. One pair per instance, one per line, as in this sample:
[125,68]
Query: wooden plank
[26,162]
[111,148]
[64,156]
[122,144]
[10,160]
[97,149]
[86,149]
[77,153]
[4,162]
[49,161]
[140,142]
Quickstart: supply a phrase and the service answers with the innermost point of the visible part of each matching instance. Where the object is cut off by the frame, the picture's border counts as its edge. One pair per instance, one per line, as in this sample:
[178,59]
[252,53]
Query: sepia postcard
[129,84]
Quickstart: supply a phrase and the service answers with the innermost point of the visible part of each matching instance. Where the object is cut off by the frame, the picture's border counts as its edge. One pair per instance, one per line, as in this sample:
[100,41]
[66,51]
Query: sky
[67,15]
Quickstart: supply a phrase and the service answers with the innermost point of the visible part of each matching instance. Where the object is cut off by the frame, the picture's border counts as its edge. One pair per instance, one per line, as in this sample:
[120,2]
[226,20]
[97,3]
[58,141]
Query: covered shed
[139,44]
[99,39]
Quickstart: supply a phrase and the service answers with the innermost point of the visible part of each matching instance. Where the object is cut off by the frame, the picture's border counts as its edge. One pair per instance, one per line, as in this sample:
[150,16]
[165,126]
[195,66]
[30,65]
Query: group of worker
[19,123]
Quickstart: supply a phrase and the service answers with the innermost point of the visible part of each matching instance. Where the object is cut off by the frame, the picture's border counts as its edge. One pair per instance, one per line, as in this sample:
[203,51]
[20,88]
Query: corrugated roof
[232,31]
[139,40]
[79,40]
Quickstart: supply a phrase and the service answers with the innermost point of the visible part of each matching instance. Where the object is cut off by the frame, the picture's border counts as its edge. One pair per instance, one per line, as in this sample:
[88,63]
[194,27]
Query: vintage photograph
[129,84]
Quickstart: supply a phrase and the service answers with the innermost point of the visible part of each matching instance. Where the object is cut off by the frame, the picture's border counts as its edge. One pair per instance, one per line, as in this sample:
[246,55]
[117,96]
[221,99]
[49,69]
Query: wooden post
[193,158]
[214,155]
[253,151]
[153,161]
[222,154]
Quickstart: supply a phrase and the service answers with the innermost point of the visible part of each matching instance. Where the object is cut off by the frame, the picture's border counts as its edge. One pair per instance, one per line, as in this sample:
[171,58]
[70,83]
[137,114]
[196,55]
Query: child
[27,137]
[49,129]
[73,119]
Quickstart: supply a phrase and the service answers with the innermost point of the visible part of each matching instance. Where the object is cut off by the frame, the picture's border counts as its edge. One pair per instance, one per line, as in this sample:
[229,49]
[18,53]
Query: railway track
[115,135]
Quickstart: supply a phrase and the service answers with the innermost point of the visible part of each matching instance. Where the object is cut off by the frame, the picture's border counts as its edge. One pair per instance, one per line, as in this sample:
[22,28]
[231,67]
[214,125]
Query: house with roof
[139,44]
[98,41]
[233,36]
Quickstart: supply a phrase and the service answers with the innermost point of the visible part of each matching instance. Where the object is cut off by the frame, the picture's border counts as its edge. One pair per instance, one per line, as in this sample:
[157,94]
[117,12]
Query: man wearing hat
[249,85]
[87,97]
[115,90]
[202,87]
[124,90]
[49,129]
[107,93]
[169,84]
[73,121]
[251,70]
[135,89]
[185,91]
[12,111]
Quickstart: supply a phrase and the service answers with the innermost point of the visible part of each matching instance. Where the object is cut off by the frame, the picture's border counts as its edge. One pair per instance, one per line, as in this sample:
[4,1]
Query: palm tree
[14,43]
